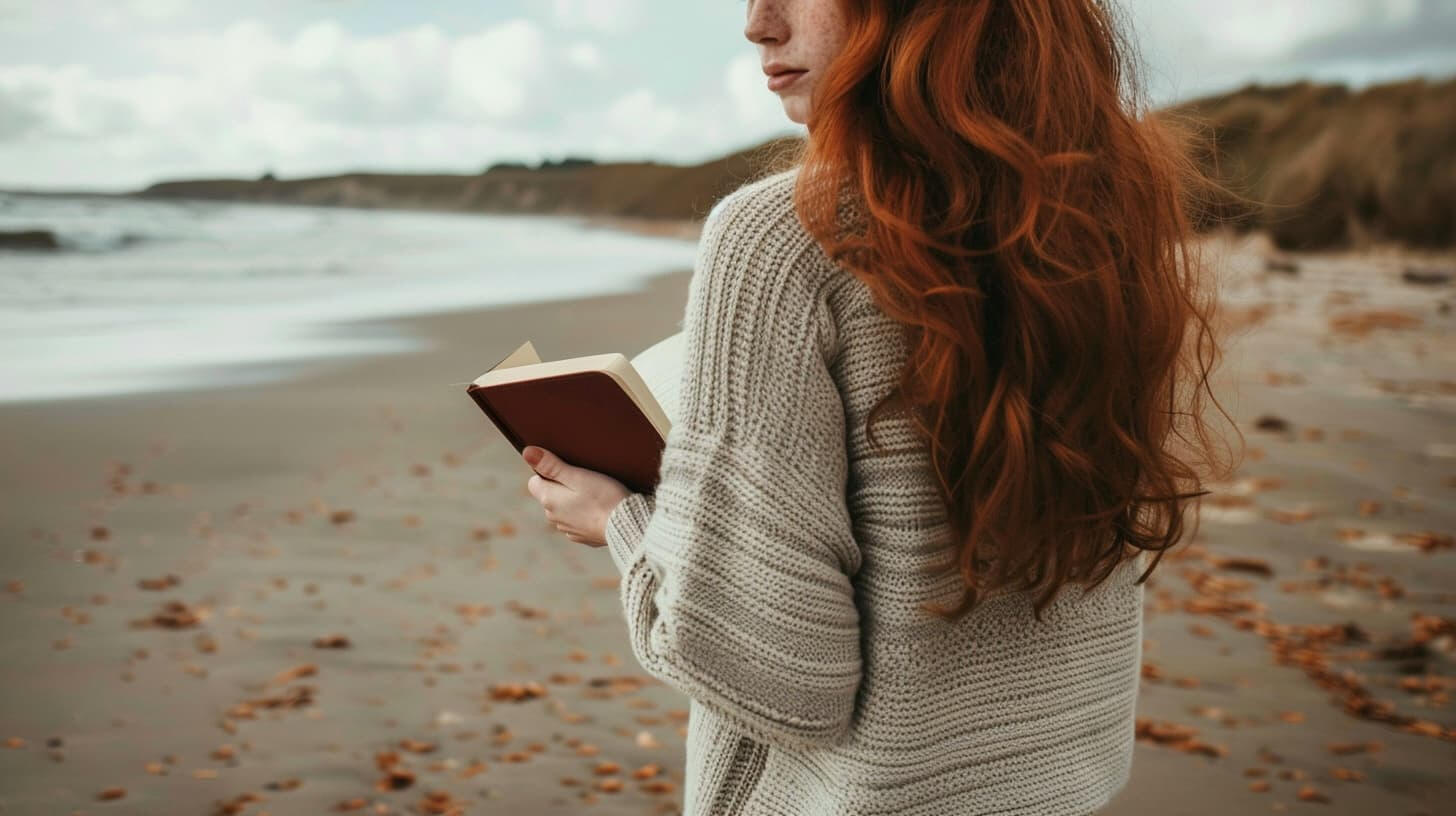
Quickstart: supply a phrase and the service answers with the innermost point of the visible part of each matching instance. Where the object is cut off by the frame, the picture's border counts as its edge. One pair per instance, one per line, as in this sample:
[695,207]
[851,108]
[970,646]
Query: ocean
[156,295]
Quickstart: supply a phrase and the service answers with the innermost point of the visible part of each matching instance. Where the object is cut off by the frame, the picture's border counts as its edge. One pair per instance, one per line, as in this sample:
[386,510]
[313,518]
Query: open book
[597,412]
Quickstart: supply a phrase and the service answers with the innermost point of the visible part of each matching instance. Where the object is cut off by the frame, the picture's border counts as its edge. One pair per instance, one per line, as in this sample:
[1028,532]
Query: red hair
[1032,232]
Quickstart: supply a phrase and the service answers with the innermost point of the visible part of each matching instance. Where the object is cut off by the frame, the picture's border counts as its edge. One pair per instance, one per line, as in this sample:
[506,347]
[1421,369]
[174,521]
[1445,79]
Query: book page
[525,355]
[660,366]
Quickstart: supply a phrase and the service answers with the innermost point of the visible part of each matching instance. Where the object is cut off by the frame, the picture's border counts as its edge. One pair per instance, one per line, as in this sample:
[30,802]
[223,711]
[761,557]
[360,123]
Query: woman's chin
[794,110]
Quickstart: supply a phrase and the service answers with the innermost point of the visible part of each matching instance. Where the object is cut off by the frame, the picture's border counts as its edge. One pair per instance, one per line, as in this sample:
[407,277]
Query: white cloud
[244,97]
[1191,48]
[639,125]
[754,105]
[640,113]
[492,69]
[604,15]
[414,74]
[584,55]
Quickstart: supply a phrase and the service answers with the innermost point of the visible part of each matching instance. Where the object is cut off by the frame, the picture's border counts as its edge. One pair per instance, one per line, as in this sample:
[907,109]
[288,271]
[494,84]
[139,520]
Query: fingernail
[532,455]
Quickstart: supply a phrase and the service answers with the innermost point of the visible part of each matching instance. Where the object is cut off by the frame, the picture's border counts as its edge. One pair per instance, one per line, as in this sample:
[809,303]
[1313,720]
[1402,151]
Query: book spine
[516,442]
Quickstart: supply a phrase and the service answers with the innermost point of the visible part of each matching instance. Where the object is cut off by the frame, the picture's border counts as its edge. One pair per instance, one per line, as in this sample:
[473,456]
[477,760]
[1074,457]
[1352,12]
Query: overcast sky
[115,94]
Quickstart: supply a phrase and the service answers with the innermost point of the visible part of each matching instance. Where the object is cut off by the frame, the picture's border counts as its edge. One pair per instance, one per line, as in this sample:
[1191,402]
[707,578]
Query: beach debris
[441,803]
[1271,423]
[472,770]
[1177,736]
[517,692]
[237,804]
[288,784]
[645,739]
[1282,265]
[1242,564]
[397,776]
[1348,748]
[111,794]
[287,676]
[1299,514]
[159,584]
[37,239]
[609,785]
[1428,684]
[1425,277]
[1309,793]
[525,612]
[175,615]
[1347,774]
[1361,324]
[416,746]
[341,516]
[1427,541]
[293,697]
[332,642]
[1434,631]
[348,805]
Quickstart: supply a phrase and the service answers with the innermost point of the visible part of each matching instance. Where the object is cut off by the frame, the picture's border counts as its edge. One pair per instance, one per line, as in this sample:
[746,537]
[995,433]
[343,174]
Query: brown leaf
[1308,793]
[1255,566]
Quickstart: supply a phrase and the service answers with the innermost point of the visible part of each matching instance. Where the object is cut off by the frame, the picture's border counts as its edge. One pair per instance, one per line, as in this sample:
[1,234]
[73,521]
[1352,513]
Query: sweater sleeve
[736,571]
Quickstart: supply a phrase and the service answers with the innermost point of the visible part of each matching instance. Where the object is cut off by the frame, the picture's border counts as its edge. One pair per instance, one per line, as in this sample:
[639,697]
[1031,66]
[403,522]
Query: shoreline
[413,333]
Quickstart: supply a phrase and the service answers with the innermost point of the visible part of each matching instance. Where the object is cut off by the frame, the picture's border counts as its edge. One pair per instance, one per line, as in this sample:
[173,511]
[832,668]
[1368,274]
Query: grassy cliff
[1327,167]
[621,189]
[1324,167]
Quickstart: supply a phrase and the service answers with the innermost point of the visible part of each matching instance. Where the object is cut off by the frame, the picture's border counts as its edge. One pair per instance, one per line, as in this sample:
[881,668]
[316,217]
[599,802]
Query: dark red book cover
[584,417]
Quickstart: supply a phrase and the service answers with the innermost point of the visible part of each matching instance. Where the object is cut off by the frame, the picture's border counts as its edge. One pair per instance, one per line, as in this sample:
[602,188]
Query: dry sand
[370,499]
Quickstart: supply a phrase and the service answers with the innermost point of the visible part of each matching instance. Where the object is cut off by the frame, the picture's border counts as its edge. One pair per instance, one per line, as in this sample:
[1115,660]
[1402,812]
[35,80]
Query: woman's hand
[577,501]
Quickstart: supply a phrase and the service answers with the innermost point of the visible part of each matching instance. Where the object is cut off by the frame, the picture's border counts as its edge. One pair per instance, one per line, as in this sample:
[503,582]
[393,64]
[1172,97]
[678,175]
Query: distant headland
[1320,167]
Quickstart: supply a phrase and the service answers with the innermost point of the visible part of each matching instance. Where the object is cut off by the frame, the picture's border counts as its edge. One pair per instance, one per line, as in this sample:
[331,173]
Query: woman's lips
[780,81]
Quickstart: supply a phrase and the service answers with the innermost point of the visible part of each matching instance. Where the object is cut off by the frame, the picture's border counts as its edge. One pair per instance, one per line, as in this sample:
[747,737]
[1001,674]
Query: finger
[549,494]
[543,491]
[550,465]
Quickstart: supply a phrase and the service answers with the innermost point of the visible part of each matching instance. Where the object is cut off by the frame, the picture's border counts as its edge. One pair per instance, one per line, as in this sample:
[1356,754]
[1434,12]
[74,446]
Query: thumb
[546,463]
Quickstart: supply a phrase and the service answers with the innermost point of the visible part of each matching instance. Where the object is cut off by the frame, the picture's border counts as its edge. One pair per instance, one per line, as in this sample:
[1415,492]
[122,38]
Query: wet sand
[486,657]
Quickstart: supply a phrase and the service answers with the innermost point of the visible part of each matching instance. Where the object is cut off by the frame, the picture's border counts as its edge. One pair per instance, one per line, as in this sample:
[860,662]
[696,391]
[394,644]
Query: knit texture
[774,575]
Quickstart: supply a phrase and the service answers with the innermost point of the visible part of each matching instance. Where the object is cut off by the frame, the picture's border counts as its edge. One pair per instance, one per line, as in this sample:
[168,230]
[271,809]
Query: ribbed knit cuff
[625,526]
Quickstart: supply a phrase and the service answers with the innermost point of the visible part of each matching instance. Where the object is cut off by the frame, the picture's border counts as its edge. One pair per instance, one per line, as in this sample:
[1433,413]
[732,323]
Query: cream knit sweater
[774,575]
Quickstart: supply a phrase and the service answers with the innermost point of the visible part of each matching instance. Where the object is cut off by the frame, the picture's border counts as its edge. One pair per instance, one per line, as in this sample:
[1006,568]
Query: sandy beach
[333,591]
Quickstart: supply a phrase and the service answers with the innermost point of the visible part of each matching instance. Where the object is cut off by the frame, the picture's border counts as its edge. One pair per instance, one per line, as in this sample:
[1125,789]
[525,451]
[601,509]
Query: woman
[943,614]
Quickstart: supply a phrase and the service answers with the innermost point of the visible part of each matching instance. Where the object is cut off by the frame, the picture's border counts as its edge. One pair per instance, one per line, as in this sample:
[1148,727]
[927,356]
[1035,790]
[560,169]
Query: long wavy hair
[1031,227]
